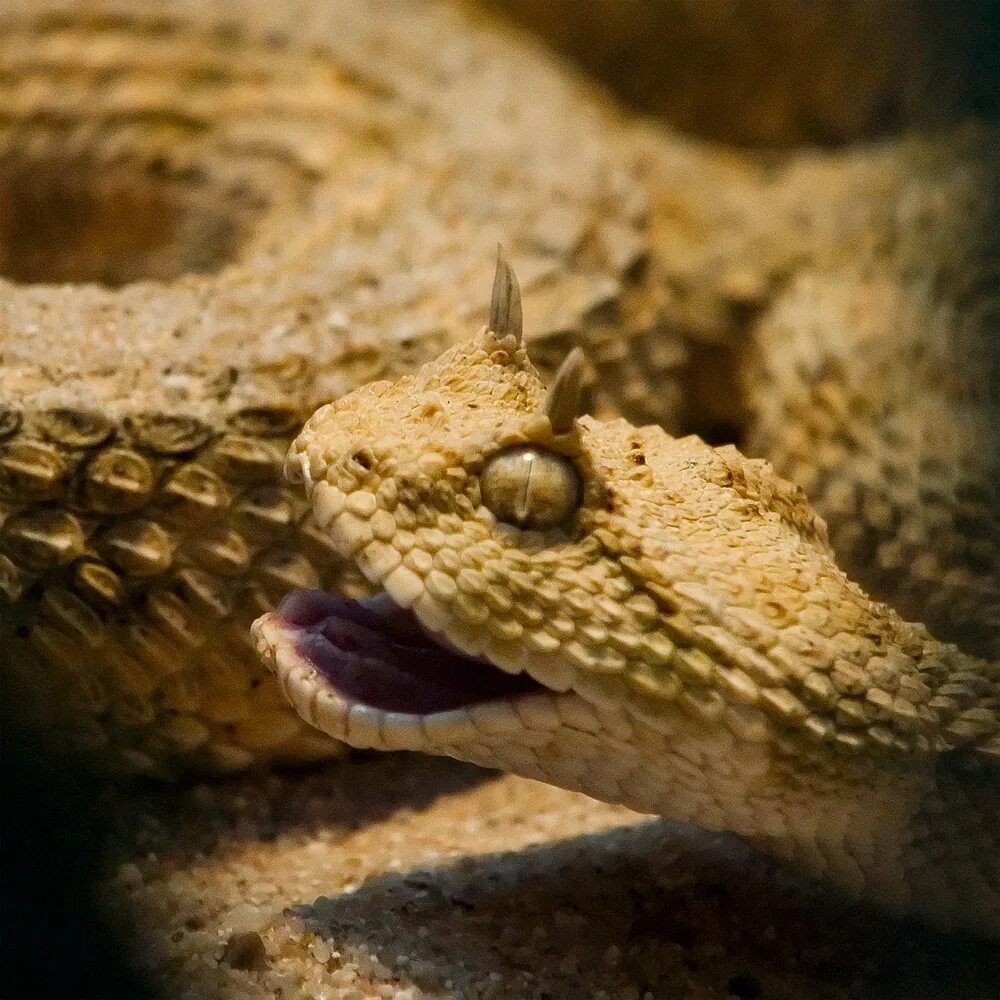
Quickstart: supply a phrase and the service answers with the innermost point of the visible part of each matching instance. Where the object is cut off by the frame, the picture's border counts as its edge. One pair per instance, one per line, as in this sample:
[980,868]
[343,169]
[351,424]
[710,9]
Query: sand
[405,877]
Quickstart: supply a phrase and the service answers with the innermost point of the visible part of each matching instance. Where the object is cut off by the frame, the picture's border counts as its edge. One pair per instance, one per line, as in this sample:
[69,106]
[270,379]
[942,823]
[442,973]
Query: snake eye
[530,487]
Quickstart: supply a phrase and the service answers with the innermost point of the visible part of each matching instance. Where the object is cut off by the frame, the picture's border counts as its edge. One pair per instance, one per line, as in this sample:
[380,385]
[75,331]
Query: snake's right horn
[563,401]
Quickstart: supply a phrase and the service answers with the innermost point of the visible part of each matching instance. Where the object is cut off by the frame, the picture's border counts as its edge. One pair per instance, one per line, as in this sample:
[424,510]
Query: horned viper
[641,617]
[218,216]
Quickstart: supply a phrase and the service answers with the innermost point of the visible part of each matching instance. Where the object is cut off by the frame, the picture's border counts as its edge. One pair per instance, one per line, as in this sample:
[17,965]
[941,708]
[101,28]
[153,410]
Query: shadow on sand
[648,910]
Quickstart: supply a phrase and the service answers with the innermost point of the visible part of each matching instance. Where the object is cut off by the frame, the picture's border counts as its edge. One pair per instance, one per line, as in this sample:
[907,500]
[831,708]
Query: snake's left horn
[505,306]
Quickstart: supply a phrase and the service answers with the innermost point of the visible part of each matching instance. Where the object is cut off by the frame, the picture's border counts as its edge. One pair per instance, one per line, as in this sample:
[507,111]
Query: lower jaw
[555,736]
[543,735]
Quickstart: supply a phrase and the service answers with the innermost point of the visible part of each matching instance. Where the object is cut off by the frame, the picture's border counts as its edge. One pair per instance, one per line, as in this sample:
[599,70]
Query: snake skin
[692,646]
[302,193]
[221,216]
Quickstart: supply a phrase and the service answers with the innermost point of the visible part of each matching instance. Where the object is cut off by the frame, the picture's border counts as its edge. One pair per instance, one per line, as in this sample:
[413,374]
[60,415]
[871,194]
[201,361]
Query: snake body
[221,218]
[297,186]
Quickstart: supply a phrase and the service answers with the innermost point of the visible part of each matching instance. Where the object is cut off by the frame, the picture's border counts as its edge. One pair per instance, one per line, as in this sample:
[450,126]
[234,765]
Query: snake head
[574,599]
[465,494]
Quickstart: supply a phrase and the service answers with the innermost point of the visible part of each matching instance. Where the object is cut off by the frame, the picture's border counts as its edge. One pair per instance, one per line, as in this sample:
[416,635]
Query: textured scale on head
[644,618]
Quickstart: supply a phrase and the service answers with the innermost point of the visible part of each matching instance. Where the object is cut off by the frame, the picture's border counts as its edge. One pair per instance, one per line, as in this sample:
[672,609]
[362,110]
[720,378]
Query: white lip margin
[364,727]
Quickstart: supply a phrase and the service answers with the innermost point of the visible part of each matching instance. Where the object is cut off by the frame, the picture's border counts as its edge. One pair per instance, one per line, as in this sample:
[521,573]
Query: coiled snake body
[306,211]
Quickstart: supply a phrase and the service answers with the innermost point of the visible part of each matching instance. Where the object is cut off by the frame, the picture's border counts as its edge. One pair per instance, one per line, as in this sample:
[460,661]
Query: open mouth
[376,653]
[350,666]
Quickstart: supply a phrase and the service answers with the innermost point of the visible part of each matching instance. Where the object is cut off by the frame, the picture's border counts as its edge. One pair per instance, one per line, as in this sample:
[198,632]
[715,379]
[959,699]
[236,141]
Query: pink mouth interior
[375,653]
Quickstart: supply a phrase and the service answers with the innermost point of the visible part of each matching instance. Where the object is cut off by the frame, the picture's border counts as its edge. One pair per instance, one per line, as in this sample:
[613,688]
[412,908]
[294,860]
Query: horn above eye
[563,401]
[530,487]
[505,306]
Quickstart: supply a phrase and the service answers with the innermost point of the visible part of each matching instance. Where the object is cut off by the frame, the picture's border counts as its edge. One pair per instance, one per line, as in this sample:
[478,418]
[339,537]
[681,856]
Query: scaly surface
[301,183]
[680,637]
[218,218]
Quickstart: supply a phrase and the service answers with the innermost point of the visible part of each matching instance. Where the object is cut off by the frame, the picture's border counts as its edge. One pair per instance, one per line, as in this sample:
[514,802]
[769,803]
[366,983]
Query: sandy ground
[405,877]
